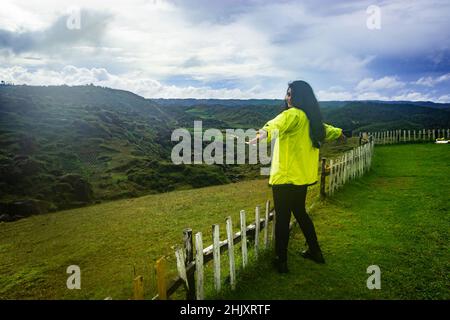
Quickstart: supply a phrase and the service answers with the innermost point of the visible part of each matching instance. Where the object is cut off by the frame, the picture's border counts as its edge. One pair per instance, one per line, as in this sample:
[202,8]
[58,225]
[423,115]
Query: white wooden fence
[404,136]
[191,274]
[350,165]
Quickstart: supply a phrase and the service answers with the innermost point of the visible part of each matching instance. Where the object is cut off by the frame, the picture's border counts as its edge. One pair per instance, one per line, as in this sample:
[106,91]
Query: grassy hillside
[396,217]
[109,241]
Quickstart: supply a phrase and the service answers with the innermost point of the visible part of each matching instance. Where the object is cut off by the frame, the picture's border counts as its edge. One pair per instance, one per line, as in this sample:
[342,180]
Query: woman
[300,132]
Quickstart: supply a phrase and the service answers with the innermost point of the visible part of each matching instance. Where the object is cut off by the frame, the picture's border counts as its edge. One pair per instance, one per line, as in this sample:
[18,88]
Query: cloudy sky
[231,48]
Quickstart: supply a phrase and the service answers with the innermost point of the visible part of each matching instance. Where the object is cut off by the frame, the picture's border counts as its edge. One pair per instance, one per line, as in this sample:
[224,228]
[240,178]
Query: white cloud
[444,99]
[371,96]
[368,84]
[324,95]
[432,81]
[152,88]
[145,87]
[412,96]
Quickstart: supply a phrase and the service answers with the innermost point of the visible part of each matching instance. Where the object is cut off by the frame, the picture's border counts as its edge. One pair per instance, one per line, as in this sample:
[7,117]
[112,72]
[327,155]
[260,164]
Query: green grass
[111,241]
[396,217]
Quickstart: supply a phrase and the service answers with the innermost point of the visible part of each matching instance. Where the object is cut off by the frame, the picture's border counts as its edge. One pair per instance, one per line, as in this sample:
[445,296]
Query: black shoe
[316,256]
[281,266]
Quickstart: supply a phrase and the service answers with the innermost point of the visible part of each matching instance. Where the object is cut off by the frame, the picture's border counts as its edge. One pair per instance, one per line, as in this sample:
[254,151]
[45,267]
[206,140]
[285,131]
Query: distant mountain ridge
[278,102]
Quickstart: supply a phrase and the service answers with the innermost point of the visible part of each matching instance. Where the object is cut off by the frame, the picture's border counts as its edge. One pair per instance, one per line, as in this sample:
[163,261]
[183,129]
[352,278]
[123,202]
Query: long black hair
[302,97]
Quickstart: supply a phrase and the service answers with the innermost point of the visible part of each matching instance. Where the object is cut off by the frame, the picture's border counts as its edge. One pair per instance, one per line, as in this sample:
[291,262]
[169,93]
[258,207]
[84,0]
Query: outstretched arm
[281,124]
[260,135]
[333,133]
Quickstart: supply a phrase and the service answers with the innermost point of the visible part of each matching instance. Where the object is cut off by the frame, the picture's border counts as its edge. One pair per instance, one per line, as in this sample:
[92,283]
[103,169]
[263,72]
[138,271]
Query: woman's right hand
[260,135]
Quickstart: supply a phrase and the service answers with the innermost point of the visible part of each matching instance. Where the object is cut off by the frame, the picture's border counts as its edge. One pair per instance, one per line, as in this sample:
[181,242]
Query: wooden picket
[244,239]
[231,253]
[199,288]
[216,250]
[257,228]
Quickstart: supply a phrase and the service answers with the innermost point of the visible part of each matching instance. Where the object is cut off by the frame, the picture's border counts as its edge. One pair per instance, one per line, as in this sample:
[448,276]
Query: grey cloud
[217,11]
[92,27]
[227,11]
[192,62]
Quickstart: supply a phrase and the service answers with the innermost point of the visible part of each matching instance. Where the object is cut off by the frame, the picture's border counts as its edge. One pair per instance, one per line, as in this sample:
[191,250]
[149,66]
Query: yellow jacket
[294,158]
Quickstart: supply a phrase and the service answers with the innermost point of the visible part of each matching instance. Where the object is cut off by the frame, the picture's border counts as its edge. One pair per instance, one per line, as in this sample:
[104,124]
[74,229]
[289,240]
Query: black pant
[291,198]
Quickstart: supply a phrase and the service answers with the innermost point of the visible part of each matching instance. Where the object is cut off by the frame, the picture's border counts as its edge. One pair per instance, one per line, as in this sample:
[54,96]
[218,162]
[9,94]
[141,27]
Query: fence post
[216,254]
[181,264]
[244,239]
[161,278]
[273,226]
[361,161]
[199,266]
[338,173]
[138,288]
[189,249]
[330,178]
[231,253]
[345,167]
[367,156]
[358,159]
[363,152]
[266,226]
[322,177]
[352,162]
[257,222]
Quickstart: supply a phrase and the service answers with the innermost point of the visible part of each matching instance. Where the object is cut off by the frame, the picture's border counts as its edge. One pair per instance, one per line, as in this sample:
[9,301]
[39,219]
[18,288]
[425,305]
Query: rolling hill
[64,147]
